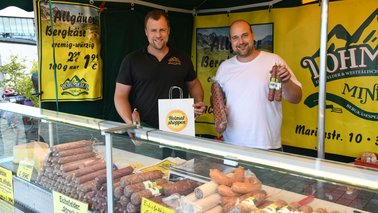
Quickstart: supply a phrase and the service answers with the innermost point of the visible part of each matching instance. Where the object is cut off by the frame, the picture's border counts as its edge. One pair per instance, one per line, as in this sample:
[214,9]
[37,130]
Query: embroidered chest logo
[174,61]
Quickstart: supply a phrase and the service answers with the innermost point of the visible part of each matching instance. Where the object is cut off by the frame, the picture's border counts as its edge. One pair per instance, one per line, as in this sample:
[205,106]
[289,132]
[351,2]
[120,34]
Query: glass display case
[73,155]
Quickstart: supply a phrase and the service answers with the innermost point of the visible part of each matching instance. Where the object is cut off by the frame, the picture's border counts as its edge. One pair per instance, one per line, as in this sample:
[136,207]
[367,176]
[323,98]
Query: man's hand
[283,73]
[199,108]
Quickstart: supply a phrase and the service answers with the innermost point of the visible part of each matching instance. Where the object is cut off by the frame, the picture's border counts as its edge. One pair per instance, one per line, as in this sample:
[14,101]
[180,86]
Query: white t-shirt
[252,120]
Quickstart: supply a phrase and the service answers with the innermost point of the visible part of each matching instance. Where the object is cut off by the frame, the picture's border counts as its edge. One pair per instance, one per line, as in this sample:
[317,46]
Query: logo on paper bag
[176,120]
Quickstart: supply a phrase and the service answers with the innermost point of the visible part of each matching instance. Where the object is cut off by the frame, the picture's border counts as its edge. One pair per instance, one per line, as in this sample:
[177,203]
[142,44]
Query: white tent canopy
[16,12]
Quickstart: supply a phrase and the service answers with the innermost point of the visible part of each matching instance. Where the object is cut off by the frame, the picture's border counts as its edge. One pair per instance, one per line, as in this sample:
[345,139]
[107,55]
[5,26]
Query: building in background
[17,36]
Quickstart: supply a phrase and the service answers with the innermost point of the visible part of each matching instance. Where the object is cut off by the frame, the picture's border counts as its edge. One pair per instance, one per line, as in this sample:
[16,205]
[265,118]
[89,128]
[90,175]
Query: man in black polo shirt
[146,75]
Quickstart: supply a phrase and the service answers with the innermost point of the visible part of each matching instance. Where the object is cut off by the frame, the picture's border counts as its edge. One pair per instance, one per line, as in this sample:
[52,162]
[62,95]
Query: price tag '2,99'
[25,169]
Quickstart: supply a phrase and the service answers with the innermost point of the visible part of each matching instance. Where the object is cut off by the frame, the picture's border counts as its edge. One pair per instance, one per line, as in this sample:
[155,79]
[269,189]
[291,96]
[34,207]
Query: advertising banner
[352,71]
[69,42]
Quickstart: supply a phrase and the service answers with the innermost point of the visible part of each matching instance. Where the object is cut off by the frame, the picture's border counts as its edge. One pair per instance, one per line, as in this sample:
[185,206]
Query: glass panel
[6,22]
[63,140]
[12,25]
[2,29]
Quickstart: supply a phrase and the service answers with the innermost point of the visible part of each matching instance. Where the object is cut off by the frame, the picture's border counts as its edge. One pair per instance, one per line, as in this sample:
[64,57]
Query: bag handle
[171,90]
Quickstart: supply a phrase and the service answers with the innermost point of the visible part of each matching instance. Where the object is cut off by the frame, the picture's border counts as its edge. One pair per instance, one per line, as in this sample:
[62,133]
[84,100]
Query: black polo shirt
[151,80]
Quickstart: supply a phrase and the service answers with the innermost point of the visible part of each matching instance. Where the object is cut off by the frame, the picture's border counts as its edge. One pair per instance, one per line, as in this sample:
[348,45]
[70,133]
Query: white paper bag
[177,115]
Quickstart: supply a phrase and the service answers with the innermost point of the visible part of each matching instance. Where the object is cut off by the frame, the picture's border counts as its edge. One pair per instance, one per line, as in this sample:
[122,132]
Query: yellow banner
[71,34]
[352,72]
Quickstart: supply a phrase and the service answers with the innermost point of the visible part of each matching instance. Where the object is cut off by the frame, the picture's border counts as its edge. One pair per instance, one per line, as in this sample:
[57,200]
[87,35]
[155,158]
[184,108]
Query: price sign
[6,185]
[162,166]
[63,203]
[74,36]
[149,206]
[25,169]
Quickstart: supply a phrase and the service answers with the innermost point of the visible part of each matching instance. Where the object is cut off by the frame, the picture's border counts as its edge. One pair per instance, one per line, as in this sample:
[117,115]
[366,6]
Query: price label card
[149,206]
[6,185]
[162,166]
[25,169]
[63,203]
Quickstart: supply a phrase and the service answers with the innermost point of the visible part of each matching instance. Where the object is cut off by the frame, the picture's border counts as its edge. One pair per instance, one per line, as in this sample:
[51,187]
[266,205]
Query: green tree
[14,77]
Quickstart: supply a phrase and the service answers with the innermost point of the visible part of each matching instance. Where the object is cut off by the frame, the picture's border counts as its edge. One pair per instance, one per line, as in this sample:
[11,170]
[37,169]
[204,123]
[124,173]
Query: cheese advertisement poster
[69,55]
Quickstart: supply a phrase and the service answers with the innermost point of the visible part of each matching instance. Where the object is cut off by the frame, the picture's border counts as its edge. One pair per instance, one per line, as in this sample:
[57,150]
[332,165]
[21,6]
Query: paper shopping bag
[177,115]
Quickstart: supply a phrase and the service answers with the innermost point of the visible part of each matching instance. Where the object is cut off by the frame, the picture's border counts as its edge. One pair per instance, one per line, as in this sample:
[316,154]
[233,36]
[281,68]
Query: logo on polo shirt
[174,61]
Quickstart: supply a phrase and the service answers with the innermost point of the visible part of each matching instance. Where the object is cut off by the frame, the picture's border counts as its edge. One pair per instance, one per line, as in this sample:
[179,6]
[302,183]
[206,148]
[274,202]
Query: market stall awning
[188,6]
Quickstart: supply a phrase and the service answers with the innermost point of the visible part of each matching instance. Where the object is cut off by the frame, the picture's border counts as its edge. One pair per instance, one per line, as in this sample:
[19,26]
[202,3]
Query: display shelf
[301,165]
[340,186]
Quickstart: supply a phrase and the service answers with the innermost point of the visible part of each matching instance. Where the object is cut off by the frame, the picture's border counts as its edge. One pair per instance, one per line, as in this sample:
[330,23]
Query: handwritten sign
[149,206]
[73,34]
[162,166]
[25,170]
[63,203]
[6,185]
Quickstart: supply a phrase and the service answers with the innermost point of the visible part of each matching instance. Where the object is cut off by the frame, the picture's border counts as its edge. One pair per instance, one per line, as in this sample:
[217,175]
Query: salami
[217,101]
[68,159]
[76,151]
[140,177]
[272,83]
[90,176]
[124,200]
[182,187]
[90,169]
[131,208]
[136,198]
[130,189]
[76,164]
[278,92]
[118,192]
[116,174]
[71,145]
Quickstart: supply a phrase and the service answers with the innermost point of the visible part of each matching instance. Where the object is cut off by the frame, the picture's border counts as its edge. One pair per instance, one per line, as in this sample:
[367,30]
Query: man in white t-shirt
[253,120]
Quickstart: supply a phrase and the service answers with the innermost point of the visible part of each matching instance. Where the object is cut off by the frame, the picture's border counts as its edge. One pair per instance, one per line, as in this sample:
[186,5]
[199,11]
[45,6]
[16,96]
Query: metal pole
[51,133]
[322,77]
[109,170]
